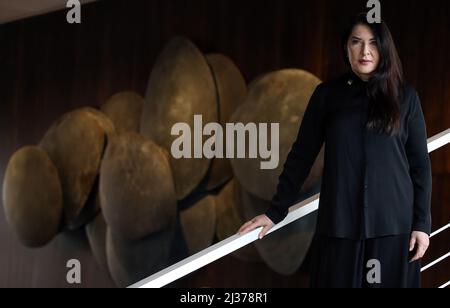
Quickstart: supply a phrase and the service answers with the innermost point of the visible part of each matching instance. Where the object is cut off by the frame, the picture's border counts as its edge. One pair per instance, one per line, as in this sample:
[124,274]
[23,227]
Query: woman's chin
[366,71]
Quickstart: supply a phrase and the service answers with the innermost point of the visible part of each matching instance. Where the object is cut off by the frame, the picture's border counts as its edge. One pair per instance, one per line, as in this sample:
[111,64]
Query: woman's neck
[363,77]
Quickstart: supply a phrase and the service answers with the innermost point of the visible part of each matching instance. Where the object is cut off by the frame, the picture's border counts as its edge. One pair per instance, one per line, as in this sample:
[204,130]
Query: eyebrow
[360,39]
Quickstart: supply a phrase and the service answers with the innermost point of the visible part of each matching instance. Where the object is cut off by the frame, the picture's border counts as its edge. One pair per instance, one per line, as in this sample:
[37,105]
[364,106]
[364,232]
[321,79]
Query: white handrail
[439,140]
[445,285]
[440,230]
[222,248]
[435,262]
[233,243]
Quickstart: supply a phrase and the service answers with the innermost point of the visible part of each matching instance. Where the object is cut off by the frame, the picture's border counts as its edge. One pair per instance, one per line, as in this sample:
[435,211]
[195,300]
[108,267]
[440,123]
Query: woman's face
[362,52]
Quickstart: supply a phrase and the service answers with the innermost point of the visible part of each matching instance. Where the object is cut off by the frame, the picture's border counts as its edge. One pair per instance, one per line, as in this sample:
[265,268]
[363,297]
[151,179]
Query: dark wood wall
[48,67]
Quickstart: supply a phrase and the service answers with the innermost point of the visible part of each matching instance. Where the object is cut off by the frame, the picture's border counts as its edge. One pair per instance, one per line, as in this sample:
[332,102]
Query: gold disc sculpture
[32,196]
[230,218]
[125,111]
[96,234]
[279,97]
[284,250]
[199,224]
[231,92]
[102,119]
[136,187]
[75,144]
[181,86]
[131,261]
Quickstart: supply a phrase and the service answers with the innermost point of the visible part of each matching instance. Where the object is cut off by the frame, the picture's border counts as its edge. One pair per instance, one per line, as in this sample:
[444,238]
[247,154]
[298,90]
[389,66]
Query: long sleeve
[420,167]
[300,158]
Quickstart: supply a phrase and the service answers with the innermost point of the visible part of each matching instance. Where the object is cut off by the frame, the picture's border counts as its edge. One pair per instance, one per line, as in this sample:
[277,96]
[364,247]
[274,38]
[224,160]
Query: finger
[422,249]
[264,232]
[419,254]
[245,226]
[250,227]
[412,243]
[416,257]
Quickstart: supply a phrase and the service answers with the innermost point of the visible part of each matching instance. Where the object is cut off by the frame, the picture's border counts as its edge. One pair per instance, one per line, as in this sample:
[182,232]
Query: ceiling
[11,10]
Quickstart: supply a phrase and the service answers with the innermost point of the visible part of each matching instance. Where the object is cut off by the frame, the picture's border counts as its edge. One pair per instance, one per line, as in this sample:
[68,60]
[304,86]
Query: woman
[374,215]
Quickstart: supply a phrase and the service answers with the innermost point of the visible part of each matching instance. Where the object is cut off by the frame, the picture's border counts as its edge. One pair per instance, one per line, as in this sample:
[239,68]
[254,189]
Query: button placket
[366,166]
[366,185]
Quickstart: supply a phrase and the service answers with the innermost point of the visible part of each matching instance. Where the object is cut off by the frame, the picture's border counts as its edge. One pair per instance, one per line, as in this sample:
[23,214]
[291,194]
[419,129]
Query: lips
[365,62]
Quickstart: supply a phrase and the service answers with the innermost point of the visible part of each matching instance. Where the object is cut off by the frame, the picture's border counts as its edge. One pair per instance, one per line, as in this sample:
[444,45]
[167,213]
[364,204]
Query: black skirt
[371,263]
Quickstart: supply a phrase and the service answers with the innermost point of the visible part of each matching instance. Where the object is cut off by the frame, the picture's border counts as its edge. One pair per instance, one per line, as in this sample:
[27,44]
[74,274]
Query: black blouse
[373,185]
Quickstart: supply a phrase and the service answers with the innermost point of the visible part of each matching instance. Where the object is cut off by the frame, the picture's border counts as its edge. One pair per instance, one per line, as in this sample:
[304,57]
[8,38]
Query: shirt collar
[353,79]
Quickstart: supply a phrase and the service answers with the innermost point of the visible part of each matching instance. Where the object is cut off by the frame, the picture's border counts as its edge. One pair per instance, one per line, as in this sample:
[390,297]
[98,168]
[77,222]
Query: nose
[366,50]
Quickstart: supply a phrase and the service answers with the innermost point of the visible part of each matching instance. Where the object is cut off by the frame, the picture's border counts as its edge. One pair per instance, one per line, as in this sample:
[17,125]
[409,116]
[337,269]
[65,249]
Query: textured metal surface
[181,85]
[96,234]
[284,250]
[75,144]
[32,196]
[136,187]
[102,119]
[125,111]
[199,224]
[230,219]
[231,92]
[279,97]
[131,261]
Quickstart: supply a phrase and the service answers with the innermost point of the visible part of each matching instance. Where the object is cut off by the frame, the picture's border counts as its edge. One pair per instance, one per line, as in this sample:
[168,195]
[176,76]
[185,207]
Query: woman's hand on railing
[258,221]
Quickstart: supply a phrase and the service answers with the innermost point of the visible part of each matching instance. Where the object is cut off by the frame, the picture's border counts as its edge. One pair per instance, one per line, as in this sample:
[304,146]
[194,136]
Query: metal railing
[233,243]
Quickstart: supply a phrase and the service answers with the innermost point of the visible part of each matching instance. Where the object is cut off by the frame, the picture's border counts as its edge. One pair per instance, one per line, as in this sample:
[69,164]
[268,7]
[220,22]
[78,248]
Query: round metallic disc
[125,111]
[220,173]
[32,196]
[96,234]
[131,261]
[92,205]
[90,210]
[199,224]
[229,220]
[136,187]
[102,119]
[75,144]
[279,97]
[181,85]
[231,92]
[283,250]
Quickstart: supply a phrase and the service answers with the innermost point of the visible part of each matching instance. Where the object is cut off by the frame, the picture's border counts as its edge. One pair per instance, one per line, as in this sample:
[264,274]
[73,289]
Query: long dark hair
[385,86]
